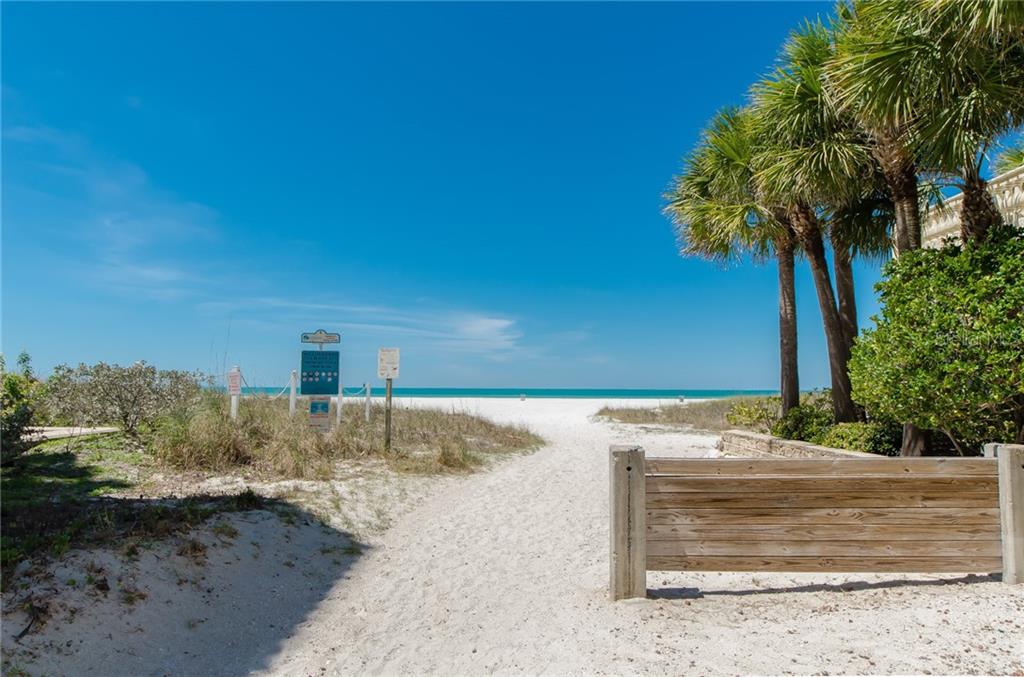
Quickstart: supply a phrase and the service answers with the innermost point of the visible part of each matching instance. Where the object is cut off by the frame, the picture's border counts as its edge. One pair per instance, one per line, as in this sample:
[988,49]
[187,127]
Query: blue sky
[478,184]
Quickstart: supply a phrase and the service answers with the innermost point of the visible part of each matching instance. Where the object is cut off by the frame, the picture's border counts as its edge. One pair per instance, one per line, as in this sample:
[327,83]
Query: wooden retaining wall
[835,515]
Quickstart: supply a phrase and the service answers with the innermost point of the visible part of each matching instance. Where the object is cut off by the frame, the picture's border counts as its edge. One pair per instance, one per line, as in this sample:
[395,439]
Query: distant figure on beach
[522,397]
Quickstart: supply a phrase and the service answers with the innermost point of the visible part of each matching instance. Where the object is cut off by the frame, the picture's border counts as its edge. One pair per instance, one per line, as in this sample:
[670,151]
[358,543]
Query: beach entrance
[831,515]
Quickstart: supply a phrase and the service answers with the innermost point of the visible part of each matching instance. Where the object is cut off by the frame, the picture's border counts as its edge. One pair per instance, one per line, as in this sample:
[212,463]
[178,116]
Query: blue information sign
[320,372]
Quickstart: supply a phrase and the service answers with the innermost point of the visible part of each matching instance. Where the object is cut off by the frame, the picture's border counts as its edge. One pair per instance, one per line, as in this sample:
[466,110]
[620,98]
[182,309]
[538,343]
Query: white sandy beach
[505,571]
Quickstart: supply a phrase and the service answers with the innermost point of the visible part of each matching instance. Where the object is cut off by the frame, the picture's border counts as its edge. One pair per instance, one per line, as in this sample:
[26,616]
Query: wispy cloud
[125,226]
[486,334]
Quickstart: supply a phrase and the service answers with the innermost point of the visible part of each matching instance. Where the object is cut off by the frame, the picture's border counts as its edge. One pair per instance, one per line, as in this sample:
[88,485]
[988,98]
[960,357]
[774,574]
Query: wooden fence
[836,515]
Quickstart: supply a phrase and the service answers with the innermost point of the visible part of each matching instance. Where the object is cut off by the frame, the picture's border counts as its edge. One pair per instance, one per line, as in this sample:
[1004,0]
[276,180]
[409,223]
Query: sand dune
[503,571]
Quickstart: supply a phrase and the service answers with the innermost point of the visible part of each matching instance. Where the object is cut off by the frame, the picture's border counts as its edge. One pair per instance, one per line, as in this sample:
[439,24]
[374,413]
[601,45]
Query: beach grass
[266,440]
[709,415]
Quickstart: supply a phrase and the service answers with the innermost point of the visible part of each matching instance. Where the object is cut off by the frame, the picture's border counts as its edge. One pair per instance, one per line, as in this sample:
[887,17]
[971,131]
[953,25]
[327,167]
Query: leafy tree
[719,214]
[948,349]
[105,394]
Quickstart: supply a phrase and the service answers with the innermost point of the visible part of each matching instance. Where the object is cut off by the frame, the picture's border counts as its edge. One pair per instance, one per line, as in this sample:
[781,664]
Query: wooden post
[628,560]
[341,400]
[387,416]
[234,398]
[293,384]
[1010,458]
[366,414]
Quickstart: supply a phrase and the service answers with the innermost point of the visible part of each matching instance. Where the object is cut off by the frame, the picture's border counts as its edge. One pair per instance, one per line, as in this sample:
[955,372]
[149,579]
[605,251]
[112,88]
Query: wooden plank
[823,532]
[844,484]
[1011,508]
[628,567]
[828,564]
[818,499]
[835,516]
[822,466]
[850,548]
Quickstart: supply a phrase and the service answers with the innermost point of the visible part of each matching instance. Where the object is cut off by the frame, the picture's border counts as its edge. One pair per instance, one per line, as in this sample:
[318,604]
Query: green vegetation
[808,421]
[832,147]
[20,401]
[875,438]
[129,397]
[948,349]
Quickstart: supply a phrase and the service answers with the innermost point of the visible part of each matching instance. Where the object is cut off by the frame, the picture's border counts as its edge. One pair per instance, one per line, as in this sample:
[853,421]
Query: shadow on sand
[206,585]
[851,586]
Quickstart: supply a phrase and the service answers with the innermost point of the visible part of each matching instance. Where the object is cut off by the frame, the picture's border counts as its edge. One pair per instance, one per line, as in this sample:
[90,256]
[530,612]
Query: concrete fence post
[628,557]
[1010,458]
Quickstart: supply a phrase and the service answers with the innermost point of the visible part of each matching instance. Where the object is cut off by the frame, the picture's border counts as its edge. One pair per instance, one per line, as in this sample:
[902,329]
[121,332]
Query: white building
[944,222]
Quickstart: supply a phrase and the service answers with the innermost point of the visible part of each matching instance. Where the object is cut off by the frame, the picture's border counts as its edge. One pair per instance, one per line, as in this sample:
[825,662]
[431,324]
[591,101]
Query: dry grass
[265,439]
[708,415]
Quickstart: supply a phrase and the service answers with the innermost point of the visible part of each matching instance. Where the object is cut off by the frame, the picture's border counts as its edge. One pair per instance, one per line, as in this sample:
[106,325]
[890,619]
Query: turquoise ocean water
[595,393]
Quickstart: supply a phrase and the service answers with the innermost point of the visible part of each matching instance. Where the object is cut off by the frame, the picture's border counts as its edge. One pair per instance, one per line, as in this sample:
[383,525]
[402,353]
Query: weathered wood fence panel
[835,515]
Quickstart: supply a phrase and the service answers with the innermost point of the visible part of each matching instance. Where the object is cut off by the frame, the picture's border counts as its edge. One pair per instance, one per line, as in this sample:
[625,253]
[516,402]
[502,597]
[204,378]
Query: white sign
[321,336]
[234,382]
[387,363]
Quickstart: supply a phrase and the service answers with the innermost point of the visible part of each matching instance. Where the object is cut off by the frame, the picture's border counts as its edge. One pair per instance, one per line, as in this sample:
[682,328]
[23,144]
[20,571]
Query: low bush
[810,419]
[755,413]
[872,437]
[129,397]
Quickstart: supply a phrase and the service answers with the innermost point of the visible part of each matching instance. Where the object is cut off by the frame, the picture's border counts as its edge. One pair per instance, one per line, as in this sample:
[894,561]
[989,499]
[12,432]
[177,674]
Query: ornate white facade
[943,222]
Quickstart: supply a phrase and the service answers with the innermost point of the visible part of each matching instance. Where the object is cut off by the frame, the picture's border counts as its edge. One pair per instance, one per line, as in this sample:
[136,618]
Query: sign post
[234,389]
[387,369]
[320,378]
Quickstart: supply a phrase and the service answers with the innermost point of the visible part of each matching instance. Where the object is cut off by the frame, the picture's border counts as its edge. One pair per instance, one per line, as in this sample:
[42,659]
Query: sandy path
[507,572]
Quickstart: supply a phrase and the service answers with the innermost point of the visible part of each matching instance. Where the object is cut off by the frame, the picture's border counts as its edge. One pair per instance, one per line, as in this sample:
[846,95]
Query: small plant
[193,549]
[225,530]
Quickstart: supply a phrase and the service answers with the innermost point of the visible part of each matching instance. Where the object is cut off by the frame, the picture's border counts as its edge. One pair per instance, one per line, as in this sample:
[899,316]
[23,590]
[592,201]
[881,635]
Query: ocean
[579,393]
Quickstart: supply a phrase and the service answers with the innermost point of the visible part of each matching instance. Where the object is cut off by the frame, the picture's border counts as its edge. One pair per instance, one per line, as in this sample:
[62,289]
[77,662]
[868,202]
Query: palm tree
[945,79]
[815,161]
[718,215]
[860,86]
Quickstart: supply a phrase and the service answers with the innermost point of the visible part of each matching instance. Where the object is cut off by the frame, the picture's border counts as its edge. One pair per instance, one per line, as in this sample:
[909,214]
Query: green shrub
[755,413]
[129,397]
[19,402]
[804,422]
[875,438]
[947,351]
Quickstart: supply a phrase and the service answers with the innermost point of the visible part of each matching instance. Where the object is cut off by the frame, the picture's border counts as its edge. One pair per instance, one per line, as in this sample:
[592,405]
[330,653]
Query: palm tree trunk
[807,228]
[978,212]
[901,178]
[789,372]
[845,293]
